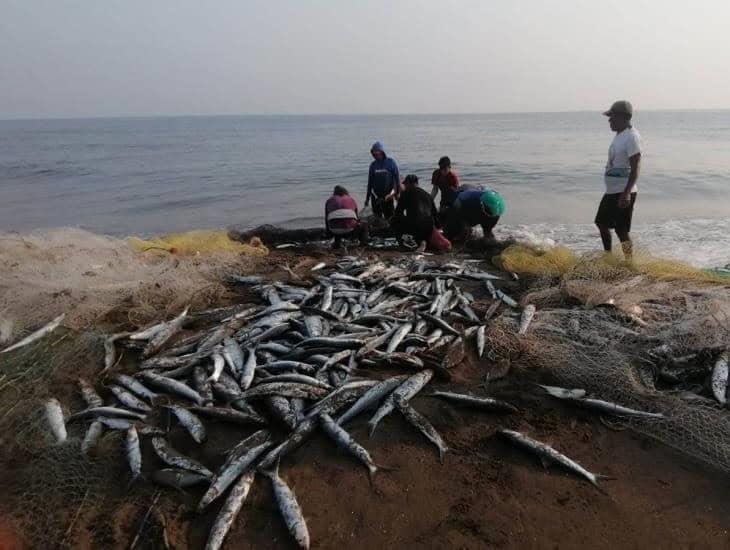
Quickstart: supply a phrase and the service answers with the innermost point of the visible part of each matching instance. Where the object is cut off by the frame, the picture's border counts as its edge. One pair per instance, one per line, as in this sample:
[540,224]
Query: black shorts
[610,215]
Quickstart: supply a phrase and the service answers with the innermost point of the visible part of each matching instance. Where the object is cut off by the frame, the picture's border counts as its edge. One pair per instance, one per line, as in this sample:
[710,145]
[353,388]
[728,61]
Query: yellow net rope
[559,261]
[194,243]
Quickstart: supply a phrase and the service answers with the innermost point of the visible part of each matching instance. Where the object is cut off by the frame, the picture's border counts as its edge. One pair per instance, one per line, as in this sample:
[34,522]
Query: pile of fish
[319,351]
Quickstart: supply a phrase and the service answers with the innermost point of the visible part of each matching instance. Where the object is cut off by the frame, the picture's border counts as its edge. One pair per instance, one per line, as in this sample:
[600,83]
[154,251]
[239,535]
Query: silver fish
[134,454]
[177,478]
[38,334]
[285,389]
[172,386]
[218,364]
[190,422]
[563,393]
[282,410]
[173,457]
[228,474]
[249,368]
[289,508]
[347,442]
[546,452]
[406,390]
[133,386]
[371,397]
[201,385]
[527,314]
[113,412]
[164,336]
[719,380]
[474,401]
[613,408]
[89,395]
[422,425]
[233,355]
[148,333]
[54,417]
[398,336]
[91,438]
[481,340]
[129,400]
[229,511]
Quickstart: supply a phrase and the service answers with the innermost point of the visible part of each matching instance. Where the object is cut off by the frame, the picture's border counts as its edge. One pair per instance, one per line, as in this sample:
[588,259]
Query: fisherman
[383,182]
[415,214]
[341,218]
[622,170]
[474,207]
[446,181]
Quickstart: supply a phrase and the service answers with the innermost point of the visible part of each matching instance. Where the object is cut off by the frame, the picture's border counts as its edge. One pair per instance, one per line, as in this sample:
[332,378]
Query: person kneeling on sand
[474,207]
[415,214]
[341,218]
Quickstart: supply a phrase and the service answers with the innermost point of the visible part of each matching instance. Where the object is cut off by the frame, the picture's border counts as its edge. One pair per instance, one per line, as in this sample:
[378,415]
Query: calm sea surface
[158,175]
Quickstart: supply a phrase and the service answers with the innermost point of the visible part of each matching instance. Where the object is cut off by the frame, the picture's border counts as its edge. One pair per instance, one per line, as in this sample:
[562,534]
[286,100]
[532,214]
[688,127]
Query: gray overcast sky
[65,58]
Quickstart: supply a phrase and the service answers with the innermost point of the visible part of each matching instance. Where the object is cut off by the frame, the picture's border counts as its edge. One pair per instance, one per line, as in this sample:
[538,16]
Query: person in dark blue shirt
[474,207]
[383,182]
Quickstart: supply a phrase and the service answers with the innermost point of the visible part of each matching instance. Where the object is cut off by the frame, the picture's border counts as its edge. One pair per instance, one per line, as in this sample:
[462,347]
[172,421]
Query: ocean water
[157,175]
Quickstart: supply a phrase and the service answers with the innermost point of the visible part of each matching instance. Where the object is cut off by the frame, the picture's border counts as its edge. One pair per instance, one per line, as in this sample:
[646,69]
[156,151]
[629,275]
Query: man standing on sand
[622,171]
[383,182]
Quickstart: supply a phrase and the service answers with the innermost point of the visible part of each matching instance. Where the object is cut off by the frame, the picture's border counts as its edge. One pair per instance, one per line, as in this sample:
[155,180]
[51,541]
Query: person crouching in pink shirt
[341,218]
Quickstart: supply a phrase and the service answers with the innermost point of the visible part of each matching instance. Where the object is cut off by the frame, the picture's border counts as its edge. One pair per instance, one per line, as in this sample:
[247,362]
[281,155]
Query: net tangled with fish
[645,336]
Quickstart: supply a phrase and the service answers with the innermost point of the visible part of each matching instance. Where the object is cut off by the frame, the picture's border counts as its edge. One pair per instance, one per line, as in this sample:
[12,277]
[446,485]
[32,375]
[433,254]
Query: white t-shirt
[626,144]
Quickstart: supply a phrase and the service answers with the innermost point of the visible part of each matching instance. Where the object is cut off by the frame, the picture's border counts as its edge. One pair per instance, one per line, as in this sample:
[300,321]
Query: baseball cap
[621,107]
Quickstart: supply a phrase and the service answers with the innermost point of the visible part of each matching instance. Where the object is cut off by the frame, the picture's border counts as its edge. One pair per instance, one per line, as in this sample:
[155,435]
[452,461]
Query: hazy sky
[64,58]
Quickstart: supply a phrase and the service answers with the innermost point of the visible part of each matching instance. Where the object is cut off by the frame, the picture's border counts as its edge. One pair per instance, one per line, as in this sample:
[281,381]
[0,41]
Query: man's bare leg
[606,237]
[626,244]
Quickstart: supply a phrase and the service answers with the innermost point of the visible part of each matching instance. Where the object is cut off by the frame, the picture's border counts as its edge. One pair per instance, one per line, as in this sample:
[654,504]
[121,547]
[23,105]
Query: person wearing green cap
[622,171]
[474,207]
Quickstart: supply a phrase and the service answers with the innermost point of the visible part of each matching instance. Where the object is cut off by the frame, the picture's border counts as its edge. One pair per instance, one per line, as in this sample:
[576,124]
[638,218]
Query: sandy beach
[485,494]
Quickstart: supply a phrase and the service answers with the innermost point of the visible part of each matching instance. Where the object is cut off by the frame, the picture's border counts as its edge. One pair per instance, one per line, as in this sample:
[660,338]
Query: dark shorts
[610,215]
[383,209]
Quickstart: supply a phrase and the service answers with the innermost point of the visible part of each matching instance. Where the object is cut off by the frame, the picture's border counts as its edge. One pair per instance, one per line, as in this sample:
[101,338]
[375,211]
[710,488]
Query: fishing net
[99,280]
[644,336]
[198,243]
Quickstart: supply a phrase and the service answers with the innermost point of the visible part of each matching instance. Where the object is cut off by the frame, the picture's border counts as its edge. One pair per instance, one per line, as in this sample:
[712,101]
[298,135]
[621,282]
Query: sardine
[546,452]
[190,422]
[89,395]
[177,478]
[422,425]
[347,442]
[38,334]
[56,423]
[719,380]
[112,412]
[406,390]
[285,389]
[164,336]
[526,318]
[229,511]
[134,386]
[228,474]
[487,403]
[172,386]
[289,508]
[174,458]
[91,438]
[129,400]
[229,415]
[371,397]
[481,340]
[134,454]
[218,364]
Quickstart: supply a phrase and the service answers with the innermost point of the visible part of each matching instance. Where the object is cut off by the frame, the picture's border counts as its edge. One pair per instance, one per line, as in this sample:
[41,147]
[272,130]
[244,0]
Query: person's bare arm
[625,198]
